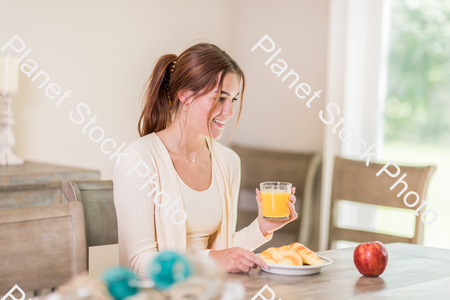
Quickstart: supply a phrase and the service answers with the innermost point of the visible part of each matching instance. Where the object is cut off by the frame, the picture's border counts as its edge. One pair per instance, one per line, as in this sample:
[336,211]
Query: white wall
[273,116]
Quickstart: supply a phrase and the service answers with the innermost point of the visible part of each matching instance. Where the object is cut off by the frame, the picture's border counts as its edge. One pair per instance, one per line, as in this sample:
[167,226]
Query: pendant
[193,160]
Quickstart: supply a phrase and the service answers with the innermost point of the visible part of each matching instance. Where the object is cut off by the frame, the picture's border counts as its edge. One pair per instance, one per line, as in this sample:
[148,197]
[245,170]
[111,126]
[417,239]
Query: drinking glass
[275,200]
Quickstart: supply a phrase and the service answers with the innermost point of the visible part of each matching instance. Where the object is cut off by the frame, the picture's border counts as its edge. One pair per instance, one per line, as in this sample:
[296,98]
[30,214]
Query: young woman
[176,188]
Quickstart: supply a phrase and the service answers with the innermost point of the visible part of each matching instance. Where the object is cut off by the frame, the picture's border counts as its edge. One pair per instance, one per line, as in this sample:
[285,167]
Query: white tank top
[206,204]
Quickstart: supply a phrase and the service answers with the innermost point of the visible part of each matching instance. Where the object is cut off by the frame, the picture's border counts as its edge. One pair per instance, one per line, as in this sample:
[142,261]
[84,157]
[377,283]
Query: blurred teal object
[168,268]
[121,282]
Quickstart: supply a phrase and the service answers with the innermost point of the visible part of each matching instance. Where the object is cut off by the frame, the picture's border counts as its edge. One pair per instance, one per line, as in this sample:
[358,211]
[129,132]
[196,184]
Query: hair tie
[172,68]
[168,77]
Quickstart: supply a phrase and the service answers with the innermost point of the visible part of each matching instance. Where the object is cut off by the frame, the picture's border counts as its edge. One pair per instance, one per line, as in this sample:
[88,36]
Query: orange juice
[275,203]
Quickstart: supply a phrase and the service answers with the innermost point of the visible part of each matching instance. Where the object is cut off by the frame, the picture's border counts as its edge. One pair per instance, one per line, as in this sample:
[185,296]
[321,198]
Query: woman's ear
[185,96]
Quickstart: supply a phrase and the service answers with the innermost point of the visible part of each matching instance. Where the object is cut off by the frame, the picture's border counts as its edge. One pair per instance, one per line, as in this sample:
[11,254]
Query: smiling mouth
[219,122]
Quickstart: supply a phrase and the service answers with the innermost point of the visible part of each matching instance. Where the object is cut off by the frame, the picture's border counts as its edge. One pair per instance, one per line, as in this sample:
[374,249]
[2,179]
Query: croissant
[308,256]
[283,255]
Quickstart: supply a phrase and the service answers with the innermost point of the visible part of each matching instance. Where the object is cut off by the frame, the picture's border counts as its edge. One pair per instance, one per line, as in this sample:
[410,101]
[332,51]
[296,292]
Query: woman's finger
[292,198]
[243,267]
[258,199]
[294,216]
[255,259]
[235,270]
[247,262]
[291,208]
[292,190]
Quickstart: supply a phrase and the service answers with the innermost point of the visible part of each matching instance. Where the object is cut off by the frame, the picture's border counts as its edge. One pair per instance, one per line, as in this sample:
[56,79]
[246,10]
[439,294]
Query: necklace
[193,159]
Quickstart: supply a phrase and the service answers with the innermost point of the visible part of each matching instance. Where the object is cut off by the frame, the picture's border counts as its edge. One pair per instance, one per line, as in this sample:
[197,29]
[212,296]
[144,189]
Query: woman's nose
[228,109]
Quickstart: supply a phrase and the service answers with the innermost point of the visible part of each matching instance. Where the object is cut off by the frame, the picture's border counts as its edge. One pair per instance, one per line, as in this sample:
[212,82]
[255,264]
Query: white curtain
[357,51]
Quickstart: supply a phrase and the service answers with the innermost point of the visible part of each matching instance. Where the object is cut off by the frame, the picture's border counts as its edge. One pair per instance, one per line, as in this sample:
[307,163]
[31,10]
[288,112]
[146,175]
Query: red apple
[371,258]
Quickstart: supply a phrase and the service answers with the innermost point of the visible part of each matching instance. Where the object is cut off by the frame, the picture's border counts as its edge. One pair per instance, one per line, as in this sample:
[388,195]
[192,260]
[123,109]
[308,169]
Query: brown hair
[197,70]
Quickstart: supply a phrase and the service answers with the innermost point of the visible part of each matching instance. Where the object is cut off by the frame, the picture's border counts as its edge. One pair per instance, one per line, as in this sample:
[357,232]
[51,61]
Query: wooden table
[413,272]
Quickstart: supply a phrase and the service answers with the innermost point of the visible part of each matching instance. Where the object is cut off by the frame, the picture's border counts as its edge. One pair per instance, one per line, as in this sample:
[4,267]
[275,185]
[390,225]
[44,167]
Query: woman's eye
[222,99]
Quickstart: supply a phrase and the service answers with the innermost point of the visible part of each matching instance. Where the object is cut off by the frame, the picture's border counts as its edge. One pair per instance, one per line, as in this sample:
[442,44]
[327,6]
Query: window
[417,104]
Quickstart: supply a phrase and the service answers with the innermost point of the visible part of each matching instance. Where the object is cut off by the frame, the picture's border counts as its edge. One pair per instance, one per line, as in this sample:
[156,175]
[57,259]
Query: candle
[9,74]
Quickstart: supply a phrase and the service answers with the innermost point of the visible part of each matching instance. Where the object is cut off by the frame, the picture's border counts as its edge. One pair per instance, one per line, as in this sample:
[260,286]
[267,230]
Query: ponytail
[157,111]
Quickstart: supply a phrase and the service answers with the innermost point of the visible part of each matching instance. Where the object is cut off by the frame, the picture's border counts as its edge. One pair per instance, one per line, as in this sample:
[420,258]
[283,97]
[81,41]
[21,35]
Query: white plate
[297,270]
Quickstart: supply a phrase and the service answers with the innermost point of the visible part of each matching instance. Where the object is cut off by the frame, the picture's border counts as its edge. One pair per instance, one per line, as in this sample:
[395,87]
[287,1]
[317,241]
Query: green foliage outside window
[418,95]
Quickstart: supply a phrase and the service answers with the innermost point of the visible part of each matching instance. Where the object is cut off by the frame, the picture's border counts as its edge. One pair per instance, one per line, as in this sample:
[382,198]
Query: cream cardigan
[145,228]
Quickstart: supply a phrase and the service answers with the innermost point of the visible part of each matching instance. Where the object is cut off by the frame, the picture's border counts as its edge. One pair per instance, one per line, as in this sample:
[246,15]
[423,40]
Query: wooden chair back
[354,181]
[300,169]
[41,247]
[99,210]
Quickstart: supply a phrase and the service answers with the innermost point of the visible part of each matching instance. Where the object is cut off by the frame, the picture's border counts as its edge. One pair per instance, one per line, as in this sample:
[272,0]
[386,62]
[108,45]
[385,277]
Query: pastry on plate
[283,255]
[308,256]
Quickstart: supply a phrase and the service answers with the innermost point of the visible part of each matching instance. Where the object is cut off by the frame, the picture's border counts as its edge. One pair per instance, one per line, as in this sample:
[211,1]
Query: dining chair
[99,210]
[354,181]
[41,247]
[299,168]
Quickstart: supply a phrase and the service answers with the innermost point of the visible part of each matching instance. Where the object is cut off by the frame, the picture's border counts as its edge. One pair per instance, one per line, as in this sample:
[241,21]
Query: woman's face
[199,109]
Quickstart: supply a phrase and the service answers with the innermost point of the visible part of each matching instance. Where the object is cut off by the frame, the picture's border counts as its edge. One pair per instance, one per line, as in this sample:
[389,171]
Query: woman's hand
[270,226]
[237,259]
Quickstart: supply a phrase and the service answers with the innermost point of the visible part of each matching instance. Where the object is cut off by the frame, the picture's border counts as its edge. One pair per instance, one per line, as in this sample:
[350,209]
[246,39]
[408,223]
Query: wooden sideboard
[37,184]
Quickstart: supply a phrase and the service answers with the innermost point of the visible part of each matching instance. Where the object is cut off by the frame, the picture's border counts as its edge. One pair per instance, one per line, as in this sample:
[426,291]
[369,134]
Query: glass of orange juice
[275,200]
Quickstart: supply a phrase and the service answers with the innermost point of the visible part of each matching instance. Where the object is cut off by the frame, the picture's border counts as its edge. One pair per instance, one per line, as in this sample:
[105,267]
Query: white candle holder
[7,140]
